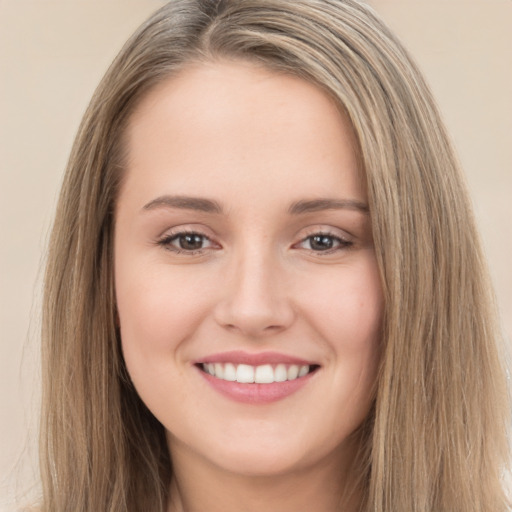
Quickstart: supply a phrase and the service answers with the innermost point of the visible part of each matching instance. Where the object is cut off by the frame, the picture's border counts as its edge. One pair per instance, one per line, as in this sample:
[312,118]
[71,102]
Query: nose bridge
[255,300]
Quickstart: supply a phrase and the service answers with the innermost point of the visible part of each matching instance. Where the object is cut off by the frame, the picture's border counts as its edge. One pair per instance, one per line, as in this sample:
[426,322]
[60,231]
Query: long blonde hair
[436,437]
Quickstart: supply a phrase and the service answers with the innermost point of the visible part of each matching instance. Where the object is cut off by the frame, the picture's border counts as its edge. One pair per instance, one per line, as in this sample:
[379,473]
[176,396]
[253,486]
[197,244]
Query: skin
[255,142]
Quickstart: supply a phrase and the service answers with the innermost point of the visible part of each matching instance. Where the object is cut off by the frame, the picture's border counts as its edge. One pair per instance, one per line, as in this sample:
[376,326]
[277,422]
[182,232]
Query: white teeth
[280,373]
[229,372]
[219,370]
[263,374]
[244,373]
[293,372]
[303,370]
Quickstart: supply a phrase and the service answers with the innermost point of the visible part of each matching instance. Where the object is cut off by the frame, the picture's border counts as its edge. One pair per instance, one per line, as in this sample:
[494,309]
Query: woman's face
[243,251]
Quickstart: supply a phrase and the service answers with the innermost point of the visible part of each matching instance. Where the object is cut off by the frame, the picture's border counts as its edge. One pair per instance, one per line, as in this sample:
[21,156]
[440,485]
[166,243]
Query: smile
[262,374]
[256,378]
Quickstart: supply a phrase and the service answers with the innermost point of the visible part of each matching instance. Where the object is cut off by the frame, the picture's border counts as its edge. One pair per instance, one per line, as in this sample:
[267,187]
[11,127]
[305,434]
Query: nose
[255,299]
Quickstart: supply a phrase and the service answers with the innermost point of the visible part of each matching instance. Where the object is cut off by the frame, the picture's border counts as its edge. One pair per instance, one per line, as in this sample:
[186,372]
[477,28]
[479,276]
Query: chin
[256,463]
[260,457]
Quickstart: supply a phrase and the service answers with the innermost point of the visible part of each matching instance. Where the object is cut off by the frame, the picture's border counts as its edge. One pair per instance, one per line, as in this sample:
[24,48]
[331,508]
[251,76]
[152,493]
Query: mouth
[256,378]
[261,374]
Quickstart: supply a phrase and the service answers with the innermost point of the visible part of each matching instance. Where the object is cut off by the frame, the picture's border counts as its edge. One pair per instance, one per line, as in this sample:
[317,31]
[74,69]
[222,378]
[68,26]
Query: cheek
[347,311]
[353,316]
[159,312]
[347,307]
[157,309]
[359,328]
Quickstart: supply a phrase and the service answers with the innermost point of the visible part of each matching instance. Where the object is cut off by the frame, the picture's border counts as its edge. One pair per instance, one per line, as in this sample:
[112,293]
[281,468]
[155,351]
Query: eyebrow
[315,205]
[185,203]
[299,207]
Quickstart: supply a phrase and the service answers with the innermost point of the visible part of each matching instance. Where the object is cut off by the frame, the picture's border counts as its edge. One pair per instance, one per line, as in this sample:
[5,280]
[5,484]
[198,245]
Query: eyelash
[342,243]
[166,242]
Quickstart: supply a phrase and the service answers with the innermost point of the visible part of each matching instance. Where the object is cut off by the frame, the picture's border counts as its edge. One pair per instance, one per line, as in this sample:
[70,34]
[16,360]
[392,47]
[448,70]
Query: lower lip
[256,393]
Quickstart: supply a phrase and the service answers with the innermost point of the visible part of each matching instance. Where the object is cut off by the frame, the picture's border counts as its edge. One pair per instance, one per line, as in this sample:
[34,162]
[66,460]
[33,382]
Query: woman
[264,286]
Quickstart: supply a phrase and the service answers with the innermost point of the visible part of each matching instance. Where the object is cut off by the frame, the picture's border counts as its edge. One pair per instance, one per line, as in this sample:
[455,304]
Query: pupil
[191,242]
[321,242]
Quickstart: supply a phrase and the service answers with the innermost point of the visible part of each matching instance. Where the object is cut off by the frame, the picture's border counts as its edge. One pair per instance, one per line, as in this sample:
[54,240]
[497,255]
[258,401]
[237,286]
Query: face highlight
[247,287]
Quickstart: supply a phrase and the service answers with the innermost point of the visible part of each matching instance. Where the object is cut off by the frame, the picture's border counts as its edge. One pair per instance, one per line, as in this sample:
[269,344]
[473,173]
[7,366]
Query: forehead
[235,123]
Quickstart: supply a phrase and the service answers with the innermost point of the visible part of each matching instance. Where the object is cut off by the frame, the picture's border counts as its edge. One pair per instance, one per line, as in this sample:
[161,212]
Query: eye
[324,242]
[186,242]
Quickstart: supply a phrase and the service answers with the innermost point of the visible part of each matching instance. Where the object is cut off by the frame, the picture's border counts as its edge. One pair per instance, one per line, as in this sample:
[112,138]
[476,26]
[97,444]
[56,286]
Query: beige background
[52,54]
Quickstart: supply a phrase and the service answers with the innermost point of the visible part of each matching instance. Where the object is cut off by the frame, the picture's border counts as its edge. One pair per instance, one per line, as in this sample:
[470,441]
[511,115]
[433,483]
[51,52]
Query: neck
[197,486]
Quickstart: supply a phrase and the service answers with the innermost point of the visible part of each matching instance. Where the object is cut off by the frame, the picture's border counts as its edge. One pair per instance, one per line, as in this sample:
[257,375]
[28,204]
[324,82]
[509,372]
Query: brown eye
[321,242]
[190,242]
[186,242]
[324,242]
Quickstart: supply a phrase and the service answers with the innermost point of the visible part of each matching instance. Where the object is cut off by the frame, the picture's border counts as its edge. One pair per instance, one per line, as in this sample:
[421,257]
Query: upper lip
[253,359]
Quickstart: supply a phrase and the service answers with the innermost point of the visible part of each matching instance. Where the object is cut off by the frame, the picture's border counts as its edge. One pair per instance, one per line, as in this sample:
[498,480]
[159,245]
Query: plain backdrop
[52,55]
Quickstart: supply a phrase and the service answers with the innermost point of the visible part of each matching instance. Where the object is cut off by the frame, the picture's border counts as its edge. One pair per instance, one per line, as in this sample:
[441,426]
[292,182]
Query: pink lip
[254,359]
[254,393]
